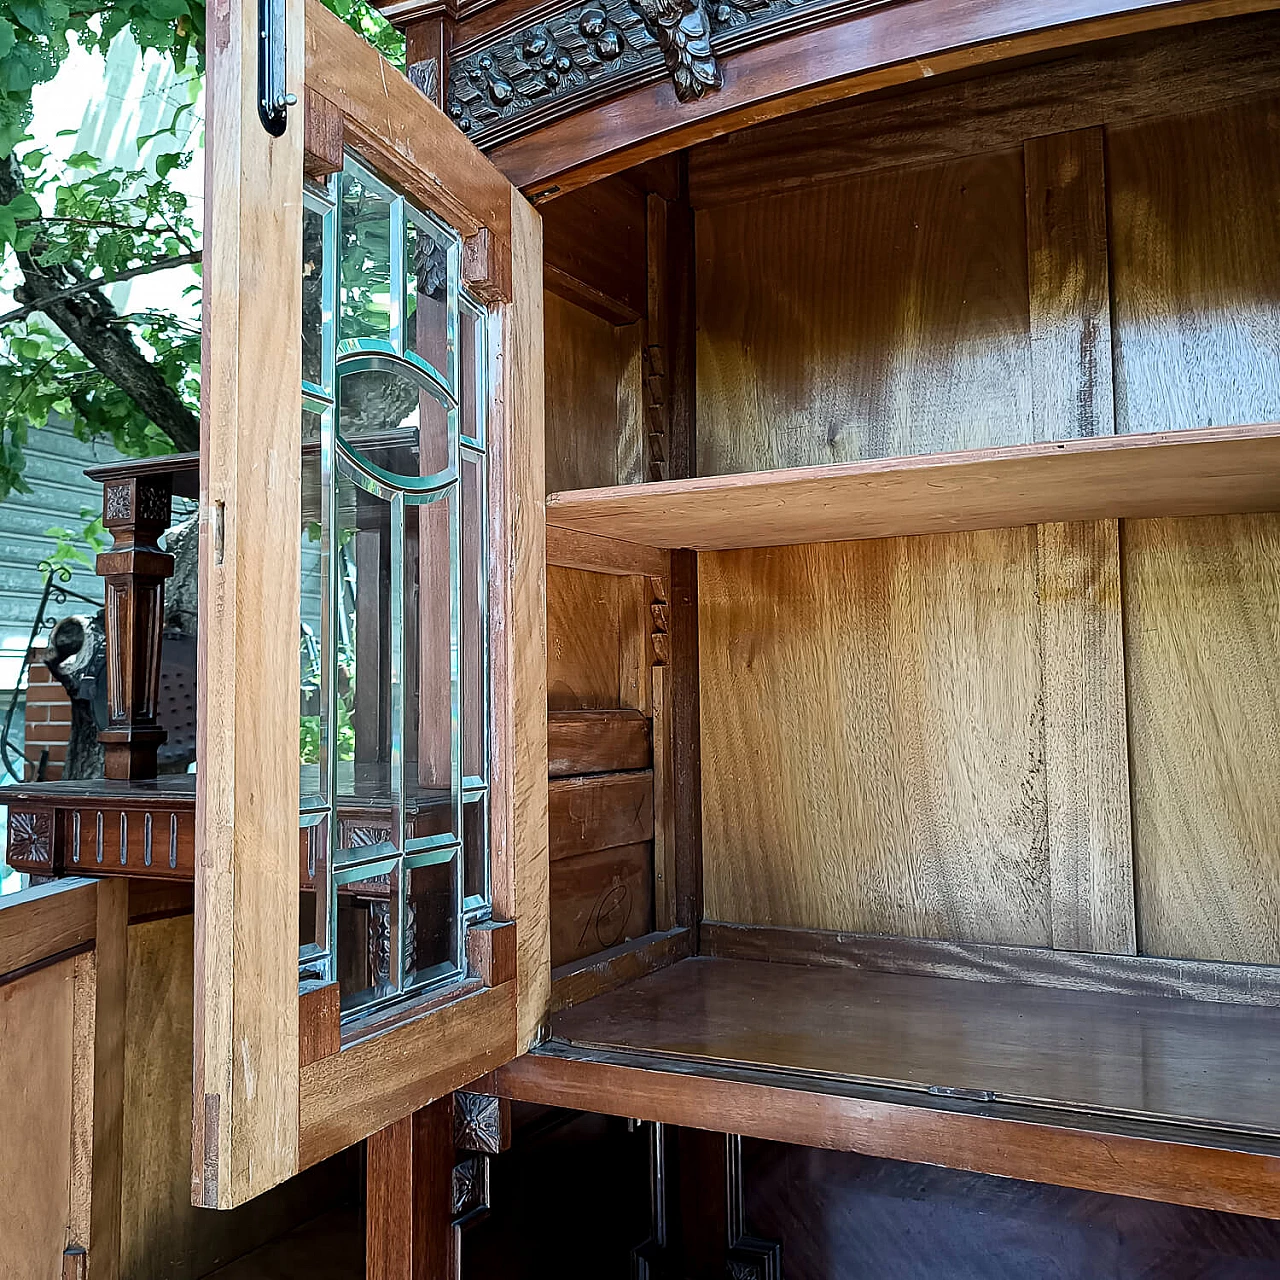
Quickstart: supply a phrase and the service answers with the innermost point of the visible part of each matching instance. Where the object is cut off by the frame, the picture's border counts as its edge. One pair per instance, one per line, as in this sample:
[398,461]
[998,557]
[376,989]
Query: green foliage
[68,547]
[362,18]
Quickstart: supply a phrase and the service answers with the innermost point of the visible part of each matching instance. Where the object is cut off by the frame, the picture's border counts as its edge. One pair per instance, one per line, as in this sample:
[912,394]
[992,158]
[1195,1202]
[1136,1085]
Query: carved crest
[682,29]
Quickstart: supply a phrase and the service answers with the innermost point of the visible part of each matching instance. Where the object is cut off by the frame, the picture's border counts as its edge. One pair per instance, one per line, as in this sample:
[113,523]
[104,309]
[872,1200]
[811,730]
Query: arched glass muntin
[394,739]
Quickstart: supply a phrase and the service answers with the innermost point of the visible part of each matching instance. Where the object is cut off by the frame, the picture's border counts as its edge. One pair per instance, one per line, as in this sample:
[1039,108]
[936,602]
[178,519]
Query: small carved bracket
[425,77]
[481,1124]
[31,840]
[470,1189]
[682,30]
[752,1259]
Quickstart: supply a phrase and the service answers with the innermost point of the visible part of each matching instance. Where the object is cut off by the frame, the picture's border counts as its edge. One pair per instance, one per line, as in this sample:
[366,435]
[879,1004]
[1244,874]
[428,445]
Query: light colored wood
[245,1135]
[45,920]
[1202,642]
[872,738]
[664,784]
[519,639]
[1086,744]
[593,417]
[568,549]
[589,628]
[635,656]
[36,1039]
[1210,471]
[98,1083]
[839,323]
[1195,252]
[1157,74]
[1067,278]
[404,1069]
[410,139]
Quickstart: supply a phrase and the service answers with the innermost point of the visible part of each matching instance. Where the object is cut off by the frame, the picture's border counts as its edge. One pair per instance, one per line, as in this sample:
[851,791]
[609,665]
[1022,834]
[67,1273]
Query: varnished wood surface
[600,899]
[599,812]
[881,316]
[45,921]
[1154,1161]
[607,970]
[872,741]
[875,49]
[1157,73]
[583,742]
[1195,253]
[1209,471]
[1105,973]
[1202,638]
[1123,1055]
[593,423]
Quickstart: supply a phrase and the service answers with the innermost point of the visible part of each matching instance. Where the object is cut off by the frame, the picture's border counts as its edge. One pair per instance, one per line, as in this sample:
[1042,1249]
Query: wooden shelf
[1165,1098]
[1206,471]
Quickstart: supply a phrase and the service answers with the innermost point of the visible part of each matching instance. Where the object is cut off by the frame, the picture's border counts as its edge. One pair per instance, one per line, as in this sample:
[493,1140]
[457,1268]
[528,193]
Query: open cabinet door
[371,905]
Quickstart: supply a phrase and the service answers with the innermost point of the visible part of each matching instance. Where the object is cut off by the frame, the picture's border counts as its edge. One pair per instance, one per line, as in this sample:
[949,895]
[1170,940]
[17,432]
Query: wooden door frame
[268,1102]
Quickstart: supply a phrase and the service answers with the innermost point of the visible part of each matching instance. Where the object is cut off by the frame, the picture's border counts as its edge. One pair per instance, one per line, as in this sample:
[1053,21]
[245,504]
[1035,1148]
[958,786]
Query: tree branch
[89,321]
[147,268]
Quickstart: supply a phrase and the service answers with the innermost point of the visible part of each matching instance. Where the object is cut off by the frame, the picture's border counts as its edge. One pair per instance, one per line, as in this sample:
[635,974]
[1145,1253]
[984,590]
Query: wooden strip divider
[605,971]
[570,549]
[1198,471]
[600,812]
[584,742]
[1203,980]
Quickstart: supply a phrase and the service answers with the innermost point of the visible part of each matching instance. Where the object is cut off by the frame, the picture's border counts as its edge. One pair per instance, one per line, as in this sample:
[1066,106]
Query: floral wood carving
[470,1188]
[31,838]
[479,1123]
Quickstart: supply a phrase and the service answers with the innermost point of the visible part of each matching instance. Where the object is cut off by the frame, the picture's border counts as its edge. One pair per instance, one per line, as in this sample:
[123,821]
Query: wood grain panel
[594,629]
[599,900]
[45,920]
[1202,648]
[1086,746]
[582,742]
[599,812]
[872,738]
[593,420]
[880,316]
[1153,74]
[35,1119]
[1196,268]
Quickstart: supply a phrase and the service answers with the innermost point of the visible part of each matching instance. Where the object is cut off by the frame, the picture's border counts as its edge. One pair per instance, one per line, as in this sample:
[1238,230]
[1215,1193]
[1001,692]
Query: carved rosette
[479,1124]
[30,839]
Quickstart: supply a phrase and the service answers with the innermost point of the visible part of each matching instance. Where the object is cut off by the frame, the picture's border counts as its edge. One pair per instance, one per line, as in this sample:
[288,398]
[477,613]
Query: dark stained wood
[871,50]
[322,139]
[600,812]
[1205,471]
[582,742]
[1153,74]
[319,1024]
[491,952]
[600,899]
[1152,1161]
[977,962]
[1188,1061]
[594,249]
[607,970]
[408,1196]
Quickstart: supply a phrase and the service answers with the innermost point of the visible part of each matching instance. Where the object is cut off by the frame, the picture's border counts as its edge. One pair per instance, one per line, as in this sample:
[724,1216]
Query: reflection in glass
[394,652]
[364,255]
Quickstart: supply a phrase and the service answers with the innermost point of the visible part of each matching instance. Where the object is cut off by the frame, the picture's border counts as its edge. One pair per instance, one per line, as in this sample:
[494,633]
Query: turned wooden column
[136,511]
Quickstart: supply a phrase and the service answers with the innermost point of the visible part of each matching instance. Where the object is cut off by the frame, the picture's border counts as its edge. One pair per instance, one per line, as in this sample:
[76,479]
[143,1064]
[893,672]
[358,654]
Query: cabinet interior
[865,809]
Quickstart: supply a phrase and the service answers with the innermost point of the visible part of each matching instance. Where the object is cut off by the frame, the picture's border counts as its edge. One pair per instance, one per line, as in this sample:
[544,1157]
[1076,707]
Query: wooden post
[136,510]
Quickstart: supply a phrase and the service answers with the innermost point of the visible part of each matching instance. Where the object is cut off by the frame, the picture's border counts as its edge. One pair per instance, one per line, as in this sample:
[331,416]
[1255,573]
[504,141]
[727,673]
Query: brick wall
[48,719]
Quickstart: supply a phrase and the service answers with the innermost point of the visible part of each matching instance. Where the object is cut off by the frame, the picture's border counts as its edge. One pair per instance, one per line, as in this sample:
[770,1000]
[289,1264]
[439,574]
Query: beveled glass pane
[475,849]
[313,893]
[362,547]
[312,702]
[475,590]
[364,255]
[472,359]
[432,919]
[428,264]
[394,422]
[431,765]
[368,928]
[313,295]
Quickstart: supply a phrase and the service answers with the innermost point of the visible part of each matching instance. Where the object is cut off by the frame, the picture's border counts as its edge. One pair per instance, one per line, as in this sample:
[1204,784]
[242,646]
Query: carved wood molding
[525,75]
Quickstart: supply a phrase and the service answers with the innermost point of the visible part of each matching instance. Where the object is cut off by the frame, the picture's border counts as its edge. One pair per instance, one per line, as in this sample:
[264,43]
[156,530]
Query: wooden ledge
[1205,471]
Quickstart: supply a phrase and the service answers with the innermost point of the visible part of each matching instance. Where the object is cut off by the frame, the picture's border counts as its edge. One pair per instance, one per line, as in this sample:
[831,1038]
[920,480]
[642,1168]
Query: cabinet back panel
[593,399]
[882,315]
[872,737]
[1195,261]
[1202,639]
[596,630]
